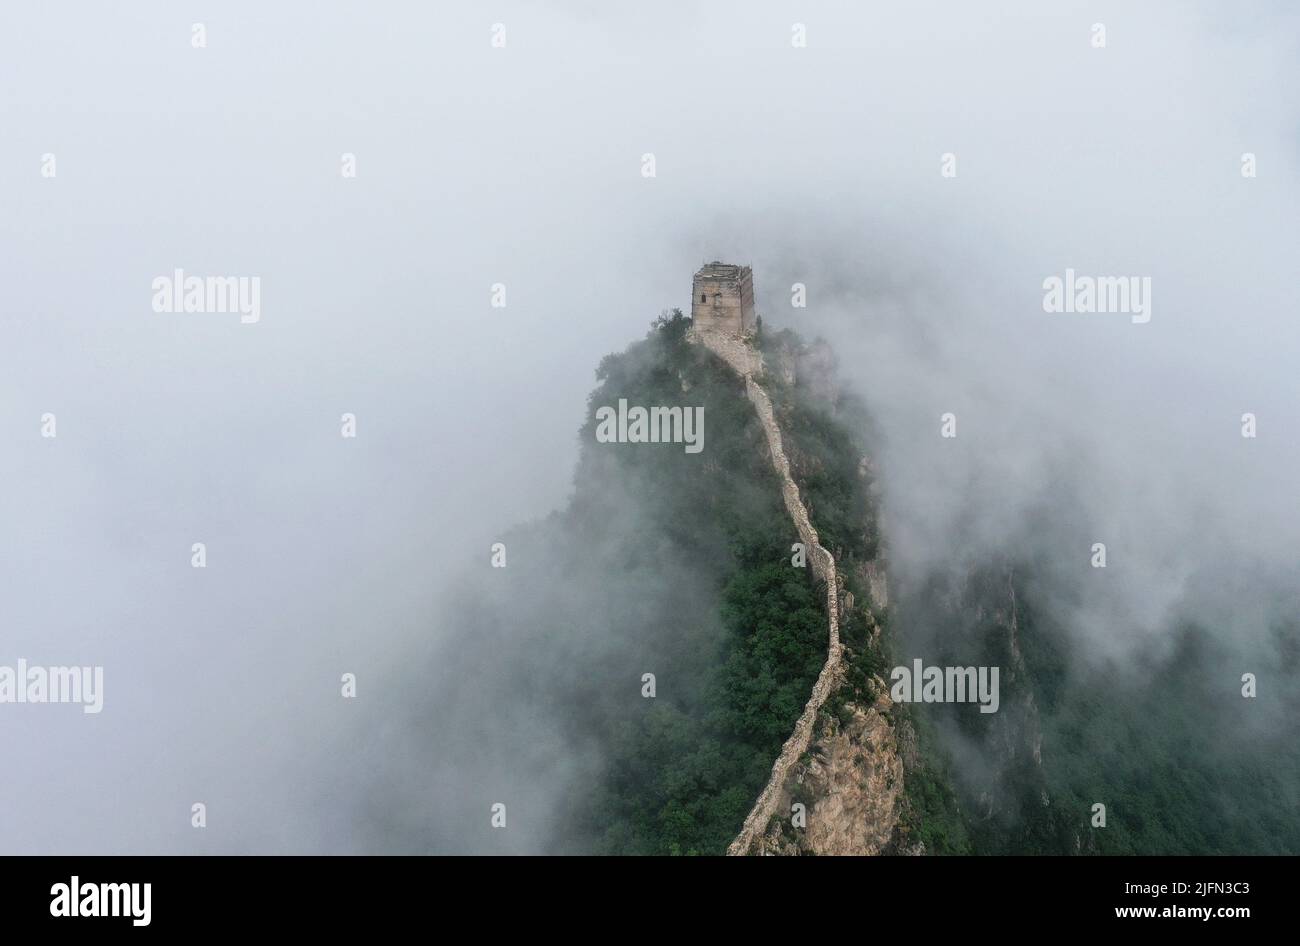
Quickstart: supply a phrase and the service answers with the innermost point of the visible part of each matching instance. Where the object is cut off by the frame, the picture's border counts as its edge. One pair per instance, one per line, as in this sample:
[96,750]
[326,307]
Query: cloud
[521,166]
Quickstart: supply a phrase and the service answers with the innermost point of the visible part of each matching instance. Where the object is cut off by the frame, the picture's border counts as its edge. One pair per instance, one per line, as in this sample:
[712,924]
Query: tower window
[702,298]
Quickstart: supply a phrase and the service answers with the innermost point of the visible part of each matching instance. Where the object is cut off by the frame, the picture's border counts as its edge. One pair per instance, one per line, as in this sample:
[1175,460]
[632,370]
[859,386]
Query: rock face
[857,774]
[874,577]
[852,783]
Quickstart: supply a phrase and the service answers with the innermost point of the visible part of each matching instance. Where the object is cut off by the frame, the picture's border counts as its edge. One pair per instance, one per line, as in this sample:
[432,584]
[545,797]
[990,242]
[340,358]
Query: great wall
[748,363]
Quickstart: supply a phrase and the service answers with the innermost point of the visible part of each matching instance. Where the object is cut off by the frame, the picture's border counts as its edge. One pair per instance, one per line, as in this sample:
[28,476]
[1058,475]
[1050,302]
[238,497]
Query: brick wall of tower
[723,303]
[749,320]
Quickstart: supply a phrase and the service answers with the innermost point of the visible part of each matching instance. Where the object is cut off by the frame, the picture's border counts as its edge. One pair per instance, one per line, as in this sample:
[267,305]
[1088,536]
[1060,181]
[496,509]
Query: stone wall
[722,299]
[748,363]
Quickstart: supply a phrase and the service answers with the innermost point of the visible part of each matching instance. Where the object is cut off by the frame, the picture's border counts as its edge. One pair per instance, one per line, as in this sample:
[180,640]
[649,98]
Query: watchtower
[723,299]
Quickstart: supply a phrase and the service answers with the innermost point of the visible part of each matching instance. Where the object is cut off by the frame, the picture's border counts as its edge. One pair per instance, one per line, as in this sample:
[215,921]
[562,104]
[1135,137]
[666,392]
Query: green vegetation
[823,434]
[933,815]
[677,565]
[1183,764]
[698,546]
[1155,743]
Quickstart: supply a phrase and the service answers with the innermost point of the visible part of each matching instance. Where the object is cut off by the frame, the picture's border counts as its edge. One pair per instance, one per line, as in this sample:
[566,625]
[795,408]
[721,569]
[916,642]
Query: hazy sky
[522,165]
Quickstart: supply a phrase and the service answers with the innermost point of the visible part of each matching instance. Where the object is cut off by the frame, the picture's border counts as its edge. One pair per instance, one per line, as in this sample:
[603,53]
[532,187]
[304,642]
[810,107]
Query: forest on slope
[663,562]
[678,564]
[1162,737]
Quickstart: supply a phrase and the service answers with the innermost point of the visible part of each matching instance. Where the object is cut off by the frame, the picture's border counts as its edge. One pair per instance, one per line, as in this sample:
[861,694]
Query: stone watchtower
[723,299]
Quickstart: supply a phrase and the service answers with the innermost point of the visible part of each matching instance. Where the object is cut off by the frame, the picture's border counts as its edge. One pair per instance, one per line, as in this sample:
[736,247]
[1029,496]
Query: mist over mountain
[522,166]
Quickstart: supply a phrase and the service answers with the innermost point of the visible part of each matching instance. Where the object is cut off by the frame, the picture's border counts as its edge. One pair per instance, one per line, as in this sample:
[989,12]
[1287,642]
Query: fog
[522,166]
